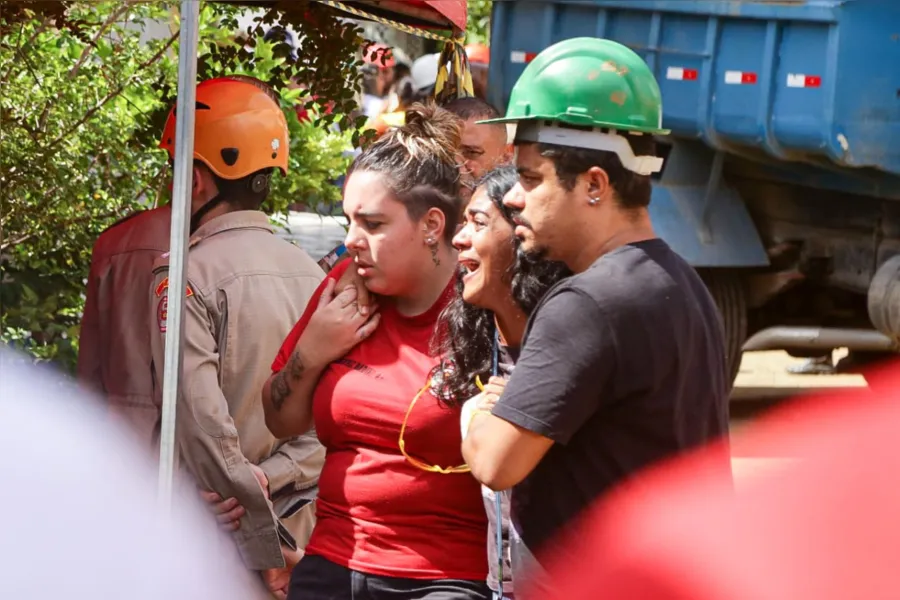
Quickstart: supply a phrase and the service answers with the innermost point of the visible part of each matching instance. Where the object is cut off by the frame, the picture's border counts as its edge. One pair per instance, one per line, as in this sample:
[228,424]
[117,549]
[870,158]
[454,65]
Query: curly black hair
[466,332]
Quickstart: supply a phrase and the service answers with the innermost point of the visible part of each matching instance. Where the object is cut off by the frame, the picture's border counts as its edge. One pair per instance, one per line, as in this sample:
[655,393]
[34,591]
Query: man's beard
[537,252]
[533,275]
[530,256]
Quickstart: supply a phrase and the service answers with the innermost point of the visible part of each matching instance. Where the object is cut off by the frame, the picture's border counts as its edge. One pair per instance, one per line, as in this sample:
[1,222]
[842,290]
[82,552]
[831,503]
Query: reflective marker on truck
[520,57]
[681,74]
[798,80]
[740,78]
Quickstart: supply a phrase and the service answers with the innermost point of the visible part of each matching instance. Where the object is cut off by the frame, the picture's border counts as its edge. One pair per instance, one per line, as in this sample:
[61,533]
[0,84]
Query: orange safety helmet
[239,128]
[478,54]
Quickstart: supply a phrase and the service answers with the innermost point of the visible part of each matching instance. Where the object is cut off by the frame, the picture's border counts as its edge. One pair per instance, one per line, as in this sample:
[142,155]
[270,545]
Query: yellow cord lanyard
[461,468]
[415,461]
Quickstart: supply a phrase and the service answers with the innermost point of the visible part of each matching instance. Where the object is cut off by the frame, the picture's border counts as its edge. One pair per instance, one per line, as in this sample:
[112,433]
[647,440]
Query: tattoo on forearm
[282,382]
[280,389]
[295,367]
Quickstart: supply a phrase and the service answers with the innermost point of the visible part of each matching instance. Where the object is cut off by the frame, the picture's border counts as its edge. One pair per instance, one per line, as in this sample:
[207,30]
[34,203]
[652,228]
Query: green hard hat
[588,82]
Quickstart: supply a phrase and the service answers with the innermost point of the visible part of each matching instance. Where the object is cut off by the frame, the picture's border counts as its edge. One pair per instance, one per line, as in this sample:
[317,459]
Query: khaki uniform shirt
[114,345]
[246,290]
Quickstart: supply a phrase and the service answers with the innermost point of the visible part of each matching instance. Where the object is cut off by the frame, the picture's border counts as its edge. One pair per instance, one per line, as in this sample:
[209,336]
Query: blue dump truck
[781,183]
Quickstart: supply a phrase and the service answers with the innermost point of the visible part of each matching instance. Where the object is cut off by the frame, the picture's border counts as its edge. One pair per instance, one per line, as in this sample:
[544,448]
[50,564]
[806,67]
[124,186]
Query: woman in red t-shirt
[398,515]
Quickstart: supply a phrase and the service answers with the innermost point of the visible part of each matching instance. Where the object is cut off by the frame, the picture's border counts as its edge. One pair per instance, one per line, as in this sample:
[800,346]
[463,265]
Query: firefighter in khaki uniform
[246,289]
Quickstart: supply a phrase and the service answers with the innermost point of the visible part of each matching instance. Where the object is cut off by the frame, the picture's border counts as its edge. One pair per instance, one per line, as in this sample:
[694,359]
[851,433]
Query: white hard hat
[424,71]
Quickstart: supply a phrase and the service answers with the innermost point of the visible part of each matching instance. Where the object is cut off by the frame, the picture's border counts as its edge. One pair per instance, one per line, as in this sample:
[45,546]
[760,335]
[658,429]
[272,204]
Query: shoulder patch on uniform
[162,307]
[162,313]
[164,285]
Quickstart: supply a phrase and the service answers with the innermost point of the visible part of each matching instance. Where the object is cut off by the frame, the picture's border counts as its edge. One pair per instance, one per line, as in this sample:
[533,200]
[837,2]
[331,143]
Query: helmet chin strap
[256,184]
[203,210]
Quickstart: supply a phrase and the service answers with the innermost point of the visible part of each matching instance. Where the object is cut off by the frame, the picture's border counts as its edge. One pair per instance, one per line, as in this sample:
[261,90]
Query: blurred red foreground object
[826,527]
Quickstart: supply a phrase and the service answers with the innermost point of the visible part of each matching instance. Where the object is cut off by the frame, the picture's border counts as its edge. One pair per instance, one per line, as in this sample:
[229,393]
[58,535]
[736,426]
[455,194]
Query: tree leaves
[478,29]
[86,90]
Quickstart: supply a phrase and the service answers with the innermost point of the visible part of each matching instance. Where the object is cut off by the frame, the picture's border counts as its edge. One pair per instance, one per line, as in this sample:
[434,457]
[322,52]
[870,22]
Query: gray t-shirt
[621,366]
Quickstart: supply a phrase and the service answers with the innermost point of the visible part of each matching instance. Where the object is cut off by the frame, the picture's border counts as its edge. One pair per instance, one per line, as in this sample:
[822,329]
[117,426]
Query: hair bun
[432,128]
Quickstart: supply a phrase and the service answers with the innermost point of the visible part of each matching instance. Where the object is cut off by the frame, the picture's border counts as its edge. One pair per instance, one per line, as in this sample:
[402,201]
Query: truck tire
[728,292]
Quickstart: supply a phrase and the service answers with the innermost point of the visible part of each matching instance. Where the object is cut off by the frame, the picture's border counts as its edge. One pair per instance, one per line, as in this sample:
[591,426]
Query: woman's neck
[430,286]
[510,321]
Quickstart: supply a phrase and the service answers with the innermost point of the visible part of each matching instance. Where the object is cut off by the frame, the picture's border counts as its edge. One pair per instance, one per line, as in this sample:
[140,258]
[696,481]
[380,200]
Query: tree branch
[90,113]
[41,28]
[126,6]
[259,24]
[153,181]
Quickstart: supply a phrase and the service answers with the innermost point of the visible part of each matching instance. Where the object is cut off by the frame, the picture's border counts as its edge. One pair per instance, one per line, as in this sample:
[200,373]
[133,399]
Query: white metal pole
[178,241]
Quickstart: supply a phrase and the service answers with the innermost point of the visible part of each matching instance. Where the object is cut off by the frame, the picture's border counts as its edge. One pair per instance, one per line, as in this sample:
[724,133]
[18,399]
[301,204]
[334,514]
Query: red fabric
[455,11]
[825,527]
[376,512]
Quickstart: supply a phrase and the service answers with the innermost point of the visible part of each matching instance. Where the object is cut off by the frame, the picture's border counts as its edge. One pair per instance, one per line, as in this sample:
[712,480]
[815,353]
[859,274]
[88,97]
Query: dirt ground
[764,375]
[763,381]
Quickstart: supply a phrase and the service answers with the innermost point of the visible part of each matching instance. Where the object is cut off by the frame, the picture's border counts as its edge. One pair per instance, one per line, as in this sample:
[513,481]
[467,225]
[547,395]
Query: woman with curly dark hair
[481,329]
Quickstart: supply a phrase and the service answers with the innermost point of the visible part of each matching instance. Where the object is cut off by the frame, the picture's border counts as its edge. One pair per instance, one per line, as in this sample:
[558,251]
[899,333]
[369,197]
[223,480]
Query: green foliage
[319,147]
[478,29]
[84,99]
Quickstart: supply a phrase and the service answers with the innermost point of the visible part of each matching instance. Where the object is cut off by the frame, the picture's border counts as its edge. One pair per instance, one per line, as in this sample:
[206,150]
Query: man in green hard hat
[623,364]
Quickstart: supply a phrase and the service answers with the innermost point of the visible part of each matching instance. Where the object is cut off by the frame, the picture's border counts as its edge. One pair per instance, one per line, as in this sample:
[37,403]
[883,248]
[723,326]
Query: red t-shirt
[377,513]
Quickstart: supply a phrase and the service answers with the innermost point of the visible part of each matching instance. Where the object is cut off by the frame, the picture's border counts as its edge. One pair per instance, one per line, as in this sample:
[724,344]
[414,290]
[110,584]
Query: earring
[593,201]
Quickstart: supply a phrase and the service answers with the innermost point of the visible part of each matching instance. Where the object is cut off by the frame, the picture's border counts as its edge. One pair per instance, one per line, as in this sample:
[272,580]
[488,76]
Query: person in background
[483,146]
[378,75]
[622,364]
[114,345]
[401,72]
[406,97]
[424,71]
[246,288]
[497,289]
[398,515]
[479,57]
